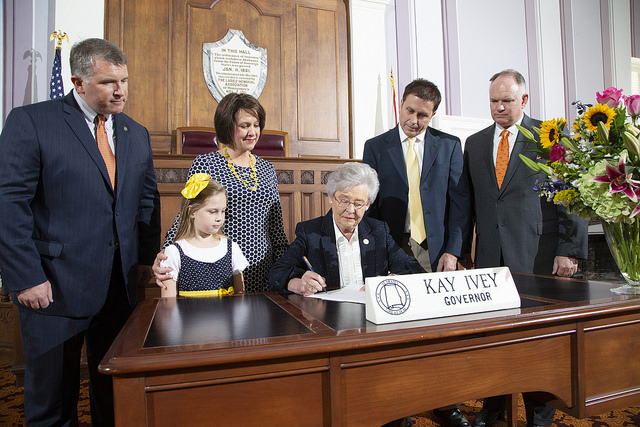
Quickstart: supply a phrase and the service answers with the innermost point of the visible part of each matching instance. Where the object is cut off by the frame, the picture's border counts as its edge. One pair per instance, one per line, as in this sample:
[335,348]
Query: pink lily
[621,182]
[618,179]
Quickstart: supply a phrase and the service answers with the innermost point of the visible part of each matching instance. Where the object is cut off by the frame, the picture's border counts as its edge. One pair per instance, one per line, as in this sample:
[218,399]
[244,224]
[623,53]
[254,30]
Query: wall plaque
[232,64]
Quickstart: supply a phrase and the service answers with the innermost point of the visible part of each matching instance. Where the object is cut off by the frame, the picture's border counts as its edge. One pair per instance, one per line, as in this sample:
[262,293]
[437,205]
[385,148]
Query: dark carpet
[12,406]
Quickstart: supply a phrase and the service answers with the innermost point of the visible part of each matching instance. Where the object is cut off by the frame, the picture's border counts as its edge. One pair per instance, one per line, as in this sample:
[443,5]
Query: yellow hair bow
[195,185]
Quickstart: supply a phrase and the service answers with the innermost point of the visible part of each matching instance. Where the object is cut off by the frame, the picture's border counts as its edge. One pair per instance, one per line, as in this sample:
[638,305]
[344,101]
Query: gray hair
[519,78]
[84,54]
[352,174]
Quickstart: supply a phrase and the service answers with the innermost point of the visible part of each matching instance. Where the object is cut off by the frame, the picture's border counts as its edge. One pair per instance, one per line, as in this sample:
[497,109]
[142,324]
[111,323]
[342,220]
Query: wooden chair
[196,140]
[201,140]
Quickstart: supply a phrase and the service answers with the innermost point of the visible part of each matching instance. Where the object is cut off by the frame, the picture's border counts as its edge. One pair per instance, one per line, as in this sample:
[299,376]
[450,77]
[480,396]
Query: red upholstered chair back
[201,140]
[272,143]
[195,140]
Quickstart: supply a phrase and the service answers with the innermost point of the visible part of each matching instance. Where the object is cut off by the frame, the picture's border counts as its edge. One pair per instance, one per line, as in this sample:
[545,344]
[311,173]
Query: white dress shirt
[349,262]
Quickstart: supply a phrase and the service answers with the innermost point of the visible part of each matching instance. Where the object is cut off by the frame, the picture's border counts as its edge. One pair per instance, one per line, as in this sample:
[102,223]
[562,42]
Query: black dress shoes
[486,418]
[451,417]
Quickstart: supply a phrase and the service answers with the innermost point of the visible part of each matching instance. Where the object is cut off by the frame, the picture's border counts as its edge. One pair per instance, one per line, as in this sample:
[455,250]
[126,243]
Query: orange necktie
[502,159]
[105,149]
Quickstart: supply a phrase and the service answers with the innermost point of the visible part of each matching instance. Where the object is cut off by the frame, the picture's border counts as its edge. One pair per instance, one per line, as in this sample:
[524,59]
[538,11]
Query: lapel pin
[126,128]
[365,241]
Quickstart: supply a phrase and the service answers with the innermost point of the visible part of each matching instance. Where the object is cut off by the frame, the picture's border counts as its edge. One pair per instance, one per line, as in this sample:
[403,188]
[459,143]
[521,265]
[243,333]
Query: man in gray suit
[514,226]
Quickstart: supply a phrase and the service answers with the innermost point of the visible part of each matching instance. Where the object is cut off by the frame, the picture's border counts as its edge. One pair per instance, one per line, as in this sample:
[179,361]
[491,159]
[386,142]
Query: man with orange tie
[79,213]
[514,226]
[424,193]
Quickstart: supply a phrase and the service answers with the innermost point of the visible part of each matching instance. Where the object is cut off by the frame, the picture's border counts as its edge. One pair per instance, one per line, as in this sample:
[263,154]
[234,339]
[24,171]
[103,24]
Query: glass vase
[623,240]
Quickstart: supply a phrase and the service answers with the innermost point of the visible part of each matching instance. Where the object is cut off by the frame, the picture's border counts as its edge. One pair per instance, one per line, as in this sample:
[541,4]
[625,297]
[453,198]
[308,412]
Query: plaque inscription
[234,65]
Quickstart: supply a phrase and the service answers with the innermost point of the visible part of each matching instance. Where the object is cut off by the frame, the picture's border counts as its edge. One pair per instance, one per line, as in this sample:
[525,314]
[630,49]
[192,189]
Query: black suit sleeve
[149,235]
[290,265]
[573,232]
[149,227]
[399,261]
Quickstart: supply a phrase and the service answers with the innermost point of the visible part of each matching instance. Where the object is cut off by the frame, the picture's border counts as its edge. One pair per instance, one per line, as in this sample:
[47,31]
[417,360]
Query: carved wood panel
[307,89]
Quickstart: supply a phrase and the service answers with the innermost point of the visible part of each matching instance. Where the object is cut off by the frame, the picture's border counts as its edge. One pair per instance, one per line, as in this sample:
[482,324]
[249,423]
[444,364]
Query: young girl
[204,261]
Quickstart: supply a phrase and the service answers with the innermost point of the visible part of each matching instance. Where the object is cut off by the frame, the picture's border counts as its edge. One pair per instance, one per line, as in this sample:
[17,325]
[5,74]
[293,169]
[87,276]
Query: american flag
[56,87]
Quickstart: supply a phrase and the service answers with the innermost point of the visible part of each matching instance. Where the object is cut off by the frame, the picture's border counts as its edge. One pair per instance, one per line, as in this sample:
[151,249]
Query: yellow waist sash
[214,293]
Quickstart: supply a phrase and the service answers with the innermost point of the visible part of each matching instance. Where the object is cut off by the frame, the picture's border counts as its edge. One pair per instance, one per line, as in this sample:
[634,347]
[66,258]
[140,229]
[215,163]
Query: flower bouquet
[593,168]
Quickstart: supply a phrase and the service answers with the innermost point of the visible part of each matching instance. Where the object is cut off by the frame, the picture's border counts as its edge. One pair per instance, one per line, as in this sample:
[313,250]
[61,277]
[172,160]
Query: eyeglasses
[344,203]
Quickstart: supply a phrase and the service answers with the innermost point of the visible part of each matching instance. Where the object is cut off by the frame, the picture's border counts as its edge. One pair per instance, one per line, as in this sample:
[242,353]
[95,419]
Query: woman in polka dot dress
[204,263]
[254,213]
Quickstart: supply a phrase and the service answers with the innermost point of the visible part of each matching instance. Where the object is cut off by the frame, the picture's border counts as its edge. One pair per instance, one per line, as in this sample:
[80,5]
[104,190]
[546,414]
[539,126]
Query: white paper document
[350,293]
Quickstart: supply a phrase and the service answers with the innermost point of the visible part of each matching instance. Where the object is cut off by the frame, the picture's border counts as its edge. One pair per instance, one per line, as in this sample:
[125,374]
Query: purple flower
[557,153]
[610,97]
[632,102]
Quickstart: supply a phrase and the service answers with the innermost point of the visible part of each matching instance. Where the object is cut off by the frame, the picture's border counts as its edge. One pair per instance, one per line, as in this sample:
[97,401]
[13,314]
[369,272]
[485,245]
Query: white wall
[492,38]
[549,92]
[90,25]
[430,58]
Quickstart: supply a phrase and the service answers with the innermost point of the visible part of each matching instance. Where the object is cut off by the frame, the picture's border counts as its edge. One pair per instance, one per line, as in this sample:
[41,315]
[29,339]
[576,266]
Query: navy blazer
[316,239]
[514,226]
[60,220]
[444,189]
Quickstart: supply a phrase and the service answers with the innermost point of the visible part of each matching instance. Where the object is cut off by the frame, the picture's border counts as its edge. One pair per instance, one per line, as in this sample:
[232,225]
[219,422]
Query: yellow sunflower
[598,113]
[550,132]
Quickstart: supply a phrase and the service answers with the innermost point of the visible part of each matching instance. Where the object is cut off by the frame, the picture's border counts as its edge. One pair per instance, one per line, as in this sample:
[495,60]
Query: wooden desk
[266,359]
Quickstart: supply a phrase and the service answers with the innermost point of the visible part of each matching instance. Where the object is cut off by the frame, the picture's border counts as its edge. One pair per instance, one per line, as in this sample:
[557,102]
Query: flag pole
[393,93]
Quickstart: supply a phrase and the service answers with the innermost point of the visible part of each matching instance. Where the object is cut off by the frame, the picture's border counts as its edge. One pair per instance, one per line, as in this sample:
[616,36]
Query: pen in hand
[306,261]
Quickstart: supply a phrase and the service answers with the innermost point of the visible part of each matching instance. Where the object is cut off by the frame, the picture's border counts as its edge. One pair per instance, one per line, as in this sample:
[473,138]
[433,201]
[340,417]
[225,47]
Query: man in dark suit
[70,227]
[343,247]
[443,188]
[427,210]
[514,226]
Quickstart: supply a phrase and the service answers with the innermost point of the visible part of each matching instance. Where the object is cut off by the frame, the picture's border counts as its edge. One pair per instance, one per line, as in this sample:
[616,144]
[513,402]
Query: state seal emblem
[392,296]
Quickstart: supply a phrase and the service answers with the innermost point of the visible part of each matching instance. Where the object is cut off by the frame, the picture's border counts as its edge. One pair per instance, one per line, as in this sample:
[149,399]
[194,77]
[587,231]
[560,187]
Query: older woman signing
[343,247]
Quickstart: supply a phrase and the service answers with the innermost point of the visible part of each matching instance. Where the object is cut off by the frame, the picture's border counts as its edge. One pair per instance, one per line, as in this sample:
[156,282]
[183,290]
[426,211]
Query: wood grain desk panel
[261,359]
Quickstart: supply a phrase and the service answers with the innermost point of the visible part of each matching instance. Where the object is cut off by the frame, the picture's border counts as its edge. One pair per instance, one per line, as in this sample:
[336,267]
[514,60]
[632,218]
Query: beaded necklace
[253,175]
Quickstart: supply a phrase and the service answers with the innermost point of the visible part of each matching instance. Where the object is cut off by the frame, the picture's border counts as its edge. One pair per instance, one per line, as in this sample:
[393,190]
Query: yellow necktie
[502,159]
[416,217]
[105,149]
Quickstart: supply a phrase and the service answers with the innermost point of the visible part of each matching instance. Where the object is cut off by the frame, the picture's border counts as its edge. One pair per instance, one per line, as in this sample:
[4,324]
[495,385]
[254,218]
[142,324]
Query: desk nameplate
[429,295]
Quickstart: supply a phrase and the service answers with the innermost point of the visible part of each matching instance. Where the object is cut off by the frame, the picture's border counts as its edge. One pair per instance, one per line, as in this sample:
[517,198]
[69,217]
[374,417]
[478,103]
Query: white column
[372,57]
